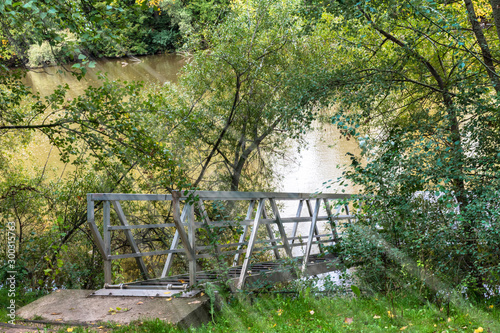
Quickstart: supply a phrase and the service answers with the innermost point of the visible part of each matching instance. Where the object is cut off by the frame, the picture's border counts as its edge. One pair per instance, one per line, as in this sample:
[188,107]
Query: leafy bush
[165,39]
[46,54]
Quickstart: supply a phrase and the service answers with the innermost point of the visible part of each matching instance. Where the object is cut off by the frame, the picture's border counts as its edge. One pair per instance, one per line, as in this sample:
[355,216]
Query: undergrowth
[304,312]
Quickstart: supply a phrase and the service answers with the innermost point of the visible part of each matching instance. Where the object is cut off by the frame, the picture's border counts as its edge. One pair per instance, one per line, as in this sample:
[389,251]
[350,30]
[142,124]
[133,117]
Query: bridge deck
[258,275]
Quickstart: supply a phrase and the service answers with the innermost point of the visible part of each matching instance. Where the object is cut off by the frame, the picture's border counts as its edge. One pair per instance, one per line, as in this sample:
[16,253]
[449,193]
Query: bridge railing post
[310,236]
[251,244]
[190,254]
[173,245]
[244,234]
[108,274]
[192,244]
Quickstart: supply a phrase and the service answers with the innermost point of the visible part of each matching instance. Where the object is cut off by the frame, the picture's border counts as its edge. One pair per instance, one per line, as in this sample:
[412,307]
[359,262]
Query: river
[305,169]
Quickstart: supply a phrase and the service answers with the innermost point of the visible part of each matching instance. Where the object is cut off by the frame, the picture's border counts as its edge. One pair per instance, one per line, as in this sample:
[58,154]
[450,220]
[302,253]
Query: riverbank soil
[77,307]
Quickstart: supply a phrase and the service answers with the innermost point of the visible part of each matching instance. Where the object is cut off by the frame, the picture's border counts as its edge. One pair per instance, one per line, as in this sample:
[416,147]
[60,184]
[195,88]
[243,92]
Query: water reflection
[151,69]
[156,69]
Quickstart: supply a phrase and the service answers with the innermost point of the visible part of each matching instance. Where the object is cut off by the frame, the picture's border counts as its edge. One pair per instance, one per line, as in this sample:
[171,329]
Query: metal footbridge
[175,243]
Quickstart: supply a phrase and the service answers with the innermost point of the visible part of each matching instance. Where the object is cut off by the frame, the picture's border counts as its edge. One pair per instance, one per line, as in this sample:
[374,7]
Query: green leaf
[356,290]
[28,5]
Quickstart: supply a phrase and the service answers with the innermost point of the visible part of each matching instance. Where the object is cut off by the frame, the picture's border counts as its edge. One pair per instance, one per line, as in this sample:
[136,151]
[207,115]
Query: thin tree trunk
[483,44]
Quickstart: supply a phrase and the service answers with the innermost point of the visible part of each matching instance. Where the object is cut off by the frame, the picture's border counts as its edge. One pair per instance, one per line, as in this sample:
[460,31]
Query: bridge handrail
[217,195]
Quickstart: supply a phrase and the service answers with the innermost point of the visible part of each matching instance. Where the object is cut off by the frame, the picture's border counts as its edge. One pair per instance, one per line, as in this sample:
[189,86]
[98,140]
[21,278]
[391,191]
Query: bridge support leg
[316,231]
[296,224]
[108,274]
[244,234]
[332,221]
[284,239]
[311,235]
[251,243]
[190,254]
[192,244]
[130,239]
[173,246]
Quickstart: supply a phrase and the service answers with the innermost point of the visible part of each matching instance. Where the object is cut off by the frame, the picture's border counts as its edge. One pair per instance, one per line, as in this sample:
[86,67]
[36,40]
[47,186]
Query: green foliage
[195,19]
[25,23]
[412,90]
[147,31]
[245,94]
[282,313]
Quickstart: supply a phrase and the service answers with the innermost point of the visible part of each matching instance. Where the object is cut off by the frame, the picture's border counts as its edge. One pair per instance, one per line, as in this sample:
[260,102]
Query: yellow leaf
[403,328]
[478,330]
[167,292]
[70,329]
[169,299]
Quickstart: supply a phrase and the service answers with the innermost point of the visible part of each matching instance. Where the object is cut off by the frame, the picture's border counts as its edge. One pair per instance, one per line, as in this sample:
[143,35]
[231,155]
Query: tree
[244,91]
[416,83]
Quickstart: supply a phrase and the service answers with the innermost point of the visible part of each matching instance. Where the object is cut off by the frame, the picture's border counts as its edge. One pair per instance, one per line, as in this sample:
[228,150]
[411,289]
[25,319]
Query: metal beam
[284,239]
[244,234]
[192,244]
[296,225]
[173,245]
[108,274]
[216,195]
[316,232]
[130,238]
[270,233]
[93,227]
[311,233]
[180,227]
[251,243]
[332,221]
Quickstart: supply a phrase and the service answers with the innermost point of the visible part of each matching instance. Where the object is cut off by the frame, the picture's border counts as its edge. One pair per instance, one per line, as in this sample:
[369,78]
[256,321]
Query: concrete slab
[75,306]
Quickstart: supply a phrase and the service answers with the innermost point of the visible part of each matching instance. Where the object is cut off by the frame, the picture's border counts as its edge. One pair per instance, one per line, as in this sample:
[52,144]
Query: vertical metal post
[180,228]
[311,234]
[93,228]
[108,275]
[192,244]
[251,243]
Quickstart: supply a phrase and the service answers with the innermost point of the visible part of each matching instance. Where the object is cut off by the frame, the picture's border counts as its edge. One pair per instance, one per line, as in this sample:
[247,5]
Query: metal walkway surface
[184,240]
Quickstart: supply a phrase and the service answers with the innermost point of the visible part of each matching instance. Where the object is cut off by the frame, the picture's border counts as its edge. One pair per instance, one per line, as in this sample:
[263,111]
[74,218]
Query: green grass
[20,301]
[332,314]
